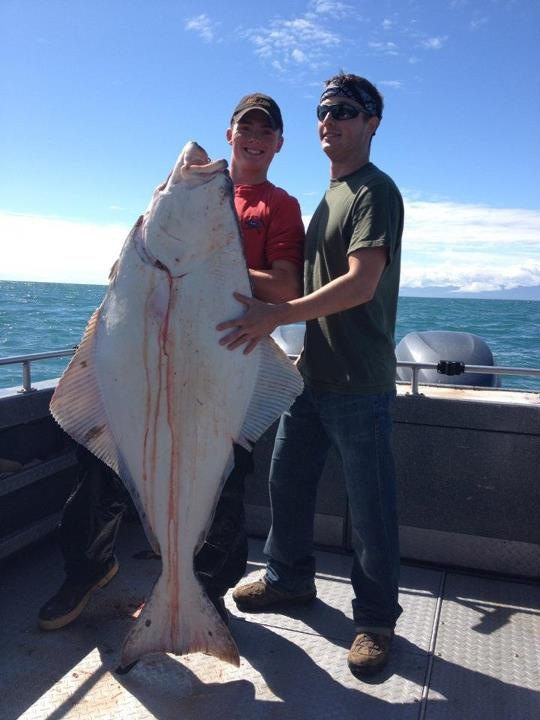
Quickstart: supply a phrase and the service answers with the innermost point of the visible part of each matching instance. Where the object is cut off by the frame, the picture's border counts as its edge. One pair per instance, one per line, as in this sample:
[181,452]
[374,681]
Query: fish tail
[196,627]
[210,635]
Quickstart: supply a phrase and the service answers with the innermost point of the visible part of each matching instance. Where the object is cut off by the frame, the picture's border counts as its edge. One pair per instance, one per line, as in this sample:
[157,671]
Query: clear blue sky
[98,97]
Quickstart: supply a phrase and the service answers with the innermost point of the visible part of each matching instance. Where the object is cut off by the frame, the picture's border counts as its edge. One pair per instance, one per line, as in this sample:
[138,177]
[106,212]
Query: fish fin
[277,385]
[76,404]
[197,627]
[77,408]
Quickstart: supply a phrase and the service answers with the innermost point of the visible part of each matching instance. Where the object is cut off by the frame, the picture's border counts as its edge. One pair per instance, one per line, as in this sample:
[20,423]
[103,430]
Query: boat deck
[467,648]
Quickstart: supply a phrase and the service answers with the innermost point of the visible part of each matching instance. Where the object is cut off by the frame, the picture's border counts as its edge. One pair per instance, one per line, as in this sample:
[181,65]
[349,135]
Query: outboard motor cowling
[290,338]
[434,346]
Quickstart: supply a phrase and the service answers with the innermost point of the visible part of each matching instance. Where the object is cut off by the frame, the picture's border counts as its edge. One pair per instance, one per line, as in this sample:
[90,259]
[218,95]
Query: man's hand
[259,321]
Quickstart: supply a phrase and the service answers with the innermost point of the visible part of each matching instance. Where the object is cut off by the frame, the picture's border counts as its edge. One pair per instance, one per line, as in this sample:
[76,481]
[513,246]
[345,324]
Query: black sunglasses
[339,111]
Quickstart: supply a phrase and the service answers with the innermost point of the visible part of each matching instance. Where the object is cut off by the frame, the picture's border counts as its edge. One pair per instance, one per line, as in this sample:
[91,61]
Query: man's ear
[228,135]
[374,122]
[280,143]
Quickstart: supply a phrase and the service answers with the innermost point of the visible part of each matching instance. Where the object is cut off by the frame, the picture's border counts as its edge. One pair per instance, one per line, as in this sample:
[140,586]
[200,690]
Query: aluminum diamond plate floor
[467,648]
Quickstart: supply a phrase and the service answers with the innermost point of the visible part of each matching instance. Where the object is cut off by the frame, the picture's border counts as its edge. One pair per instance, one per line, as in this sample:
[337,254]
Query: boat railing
[473,369]
[27,360]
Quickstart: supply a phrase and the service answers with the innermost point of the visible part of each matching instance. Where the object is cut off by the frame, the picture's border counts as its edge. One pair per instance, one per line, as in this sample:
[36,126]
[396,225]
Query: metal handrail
[479,369]
[26,360]
[14,359]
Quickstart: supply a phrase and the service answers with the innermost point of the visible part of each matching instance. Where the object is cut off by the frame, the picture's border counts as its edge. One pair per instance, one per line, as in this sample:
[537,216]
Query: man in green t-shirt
[351,282]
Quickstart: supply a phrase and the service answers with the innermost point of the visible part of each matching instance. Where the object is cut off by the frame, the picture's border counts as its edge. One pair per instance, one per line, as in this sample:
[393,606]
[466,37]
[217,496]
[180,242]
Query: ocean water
[37,317]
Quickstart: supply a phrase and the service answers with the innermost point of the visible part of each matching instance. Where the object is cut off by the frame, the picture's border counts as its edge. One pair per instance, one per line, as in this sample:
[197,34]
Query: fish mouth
[196,174]
[194,159]
[208,168]
[194,167]
[194,154]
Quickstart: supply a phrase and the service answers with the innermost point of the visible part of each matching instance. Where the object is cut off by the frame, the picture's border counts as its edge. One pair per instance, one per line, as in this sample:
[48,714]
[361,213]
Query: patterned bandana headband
[355,93]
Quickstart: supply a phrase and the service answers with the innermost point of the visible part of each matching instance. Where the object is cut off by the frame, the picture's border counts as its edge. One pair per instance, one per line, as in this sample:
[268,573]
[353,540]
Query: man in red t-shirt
[270,219]
[273,236]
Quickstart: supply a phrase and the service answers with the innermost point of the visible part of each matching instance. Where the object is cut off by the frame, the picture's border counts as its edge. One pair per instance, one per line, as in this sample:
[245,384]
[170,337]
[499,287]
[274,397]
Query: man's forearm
[341,294]
[355,287]
[275,285]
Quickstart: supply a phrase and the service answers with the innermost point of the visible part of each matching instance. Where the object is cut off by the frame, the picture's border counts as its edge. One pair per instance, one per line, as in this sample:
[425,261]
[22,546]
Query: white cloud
[434,43]
[330,7]
[478,23]
[298,55]
[470,246]
[473,247]
[203,26]
[469,276]
[472,226]
[305,40]
[54,250]
[386,48]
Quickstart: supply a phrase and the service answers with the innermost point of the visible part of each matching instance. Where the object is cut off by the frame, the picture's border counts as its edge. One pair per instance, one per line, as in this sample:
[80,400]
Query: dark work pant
[91,519]
[93,513]
[221,561]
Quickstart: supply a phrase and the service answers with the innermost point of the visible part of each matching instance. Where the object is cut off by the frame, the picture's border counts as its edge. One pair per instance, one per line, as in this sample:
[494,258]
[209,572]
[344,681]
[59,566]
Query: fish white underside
[152,393]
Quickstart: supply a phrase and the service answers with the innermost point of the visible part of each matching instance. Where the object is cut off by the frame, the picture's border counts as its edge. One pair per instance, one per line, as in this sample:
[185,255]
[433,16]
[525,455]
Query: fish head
[193,165]
[192,214]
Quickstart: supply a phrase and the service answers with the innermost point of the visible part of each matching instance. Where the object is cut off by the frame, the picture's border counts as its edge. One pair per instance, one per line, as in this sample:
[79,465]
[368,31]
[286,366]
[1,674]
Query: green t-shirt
[353,351]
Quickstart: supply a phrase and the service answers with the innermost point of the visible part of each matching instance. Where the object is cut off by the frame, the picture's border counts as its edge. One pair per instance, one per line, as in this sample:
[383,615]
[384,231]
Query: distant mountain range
[517,293]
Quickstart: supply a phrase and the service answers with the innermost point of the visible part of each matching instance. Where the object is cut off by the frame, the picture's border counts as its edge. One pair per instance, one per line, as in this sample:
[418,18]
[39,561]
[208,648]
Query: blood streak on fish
[152,393]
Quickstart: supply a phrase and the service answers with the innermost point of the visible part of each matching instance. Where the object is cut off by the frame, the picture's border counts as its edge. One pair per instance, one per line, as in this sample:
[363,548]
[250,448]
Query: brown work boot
[260,596]
[369,653]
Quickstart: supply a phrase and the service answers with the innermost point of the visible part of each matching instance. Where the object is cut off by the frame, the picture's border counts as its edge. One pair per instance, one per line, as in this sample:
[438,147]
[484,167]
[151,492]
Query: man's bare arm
[356,287]
[282,282]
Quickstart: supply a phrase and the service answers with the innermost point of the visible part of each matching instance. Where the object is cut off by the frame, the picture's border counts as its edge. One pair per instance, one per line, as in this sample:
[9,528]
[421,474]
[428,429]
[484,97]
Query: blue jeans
[359,427]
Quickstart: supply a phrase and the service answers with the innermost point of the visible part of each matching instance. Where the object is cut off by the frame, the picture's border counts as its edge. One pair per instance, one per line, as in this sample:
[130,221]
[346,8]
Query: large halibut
[152,393]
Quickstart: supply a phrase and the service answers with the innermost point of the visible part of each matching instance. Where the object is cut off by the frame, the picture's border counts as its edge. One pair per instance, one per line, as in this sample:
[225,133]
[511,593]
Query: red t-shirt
[271,225]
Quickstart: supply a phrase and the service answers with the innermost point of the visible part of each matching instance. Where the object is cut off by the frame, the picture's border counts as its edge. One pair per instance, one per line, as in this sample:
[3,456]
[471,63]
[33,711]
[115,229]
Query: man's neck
[247,177]
[343,166]
[342,169]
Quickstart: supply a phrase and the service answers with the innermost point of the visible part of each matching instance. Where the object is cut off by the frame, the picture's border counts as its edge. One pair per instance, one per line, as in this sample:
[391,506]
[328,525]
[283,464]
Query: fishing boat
[467,645]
